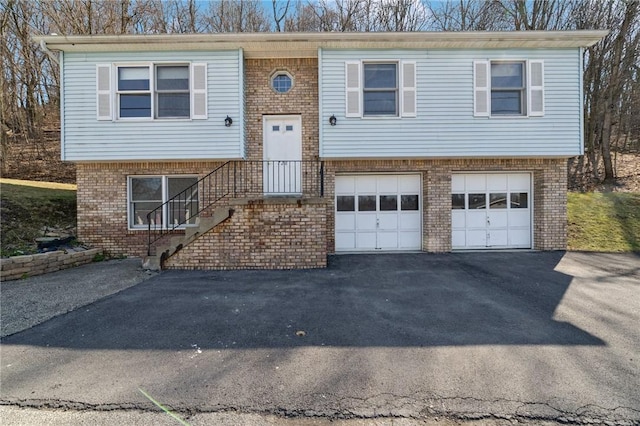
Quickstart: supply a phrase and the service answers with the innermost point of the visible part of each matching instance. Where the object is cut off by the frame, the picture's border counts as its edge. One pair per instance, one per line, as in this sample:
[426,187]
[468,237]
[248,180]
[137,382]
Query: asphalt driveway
[526,335]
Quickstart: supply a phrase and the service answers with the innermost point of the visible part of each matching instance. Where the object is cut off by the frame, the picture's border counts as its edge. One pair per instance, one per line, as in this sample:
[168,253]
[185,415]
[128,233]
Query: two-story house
[273,150]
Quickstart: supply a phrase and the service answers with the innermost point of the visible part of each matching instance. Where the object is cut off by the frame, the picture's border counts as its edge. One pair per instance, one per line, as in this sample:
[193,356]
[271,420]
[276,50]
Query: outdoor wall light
[333,120]
[228,121]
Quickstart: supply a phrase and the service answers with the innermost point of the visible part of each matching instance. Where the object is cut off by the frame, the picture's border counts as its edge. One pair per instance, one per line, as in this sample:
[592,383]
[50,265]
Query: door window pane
[366,203]
[498,201]
[519,200]
[457,201]
[409,202]
[477,201]
[388,202]
[346,203]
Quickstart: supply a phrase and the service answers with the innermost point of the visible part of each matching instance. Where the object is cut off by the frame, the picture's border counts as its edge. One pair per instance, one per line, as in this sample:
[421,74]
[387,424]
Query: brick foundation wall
[102,202]
[549,195]
[261,234]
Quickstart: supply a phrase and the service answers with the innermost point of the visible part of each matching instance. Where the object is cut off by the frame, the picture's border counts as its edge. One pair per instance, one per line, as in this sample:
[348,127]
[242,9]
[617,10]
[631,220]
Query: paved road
[533,336]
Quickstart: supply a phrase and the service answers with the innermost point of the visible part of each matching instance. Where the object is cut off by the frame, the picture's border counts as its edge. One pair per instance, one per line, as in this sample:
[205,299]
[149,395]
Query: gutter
[50,54]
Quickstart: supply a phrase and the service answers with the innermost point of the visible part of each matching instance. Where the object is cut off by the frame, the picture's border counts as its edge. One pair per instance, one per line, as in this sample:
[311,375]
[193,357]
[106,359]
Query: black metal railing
[235,179]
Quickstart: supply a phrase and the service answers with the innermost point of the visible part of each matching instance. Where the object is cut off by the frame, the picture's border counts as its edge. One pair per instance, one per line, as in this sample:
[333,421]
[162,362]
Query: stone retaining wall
[17,267]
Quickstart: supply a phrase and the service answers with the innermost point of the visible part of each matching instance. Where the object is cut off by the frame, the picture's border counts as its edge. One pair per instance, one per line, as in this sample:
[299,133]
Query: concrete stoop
[174,244]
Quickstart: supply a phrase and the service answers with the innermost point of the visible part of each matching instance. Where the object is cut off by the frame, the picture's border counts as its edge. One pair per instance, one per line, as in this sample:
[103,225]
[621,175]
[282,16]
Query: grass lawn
[26,207]
[607,221]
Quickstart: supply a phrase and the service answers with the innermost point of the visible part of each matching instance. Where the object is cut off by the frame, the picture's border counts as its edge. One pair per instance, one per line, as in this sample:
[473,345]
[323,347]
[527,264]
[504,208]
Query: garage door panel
[410,240]
[345,185]
[475,183]
[520,237]
[458,219]
[497,238]
[366,240]
[409,184]
[497,218]
[346,240]
[387,240]
[458,239]
[496,182]
[366,222]
[476,219]
[457,183]
[387,222]
[365,184]
[476,238]
[519,218]
[345,221]
[410,221]
[519,182]
[388,184]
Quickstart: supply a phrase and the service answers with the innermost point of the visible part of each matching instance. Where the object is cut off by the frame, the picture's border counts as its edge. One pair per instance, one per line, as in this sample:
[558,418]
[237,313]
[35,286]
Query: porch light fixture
[228,121]
[333,120]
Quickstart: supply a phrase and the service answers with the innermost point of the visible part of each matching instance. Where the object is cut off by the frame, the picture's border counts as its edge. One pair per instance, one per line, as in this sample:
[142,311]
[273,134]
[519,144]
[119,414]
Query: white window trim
[402,90]
[165,198]
[115,98]
[527,89]
[398,89]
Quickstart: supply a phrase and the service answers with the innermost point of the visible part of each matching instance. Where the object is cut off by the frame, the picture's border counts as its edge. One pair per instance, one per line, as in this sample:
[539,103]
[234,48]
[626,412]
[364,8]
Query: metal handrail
[235,179]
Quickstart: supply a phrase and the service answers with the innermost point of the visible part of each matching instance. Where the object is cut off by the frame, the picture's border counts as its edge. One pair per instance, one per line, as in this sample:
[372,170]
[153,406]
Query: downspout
[49,53]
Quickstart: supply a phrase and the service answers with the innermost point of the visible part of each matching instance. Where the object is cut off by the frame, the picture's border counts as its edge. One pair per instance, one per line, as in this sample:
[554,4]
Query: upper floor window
[508,88]
[508,94]
[281,82]
[380,89]
[153,91]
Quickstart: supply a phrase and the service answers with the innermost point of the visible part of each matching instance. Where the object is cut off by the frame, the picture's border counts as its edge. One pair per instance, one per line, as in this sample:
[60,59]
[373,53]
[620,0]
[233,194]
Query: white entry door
[282,168]
[491,210]
[378,212]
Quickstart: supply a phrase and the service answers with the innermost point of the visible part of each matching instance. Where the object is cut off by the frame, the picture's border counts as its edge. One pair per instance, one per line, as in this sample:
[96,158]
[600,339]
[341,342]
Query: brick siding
[261,234]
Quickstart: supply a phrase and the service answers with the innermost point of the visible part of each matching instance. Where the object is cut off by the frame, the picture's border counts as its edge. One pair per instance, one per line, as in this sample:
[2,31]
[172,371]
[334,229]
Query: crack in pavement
[583,415]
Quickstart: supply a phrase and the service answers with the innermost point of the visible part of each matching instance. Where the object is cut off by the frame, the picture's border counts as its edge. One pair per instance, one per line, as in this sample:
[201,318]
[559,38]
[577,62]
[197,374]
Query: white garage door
[378,212]
[491,210]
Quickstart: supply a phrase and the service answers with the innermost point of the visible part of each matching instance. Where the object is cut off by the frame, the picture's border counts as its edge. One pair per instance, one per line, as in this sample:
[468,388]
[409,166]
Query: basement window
[147,196]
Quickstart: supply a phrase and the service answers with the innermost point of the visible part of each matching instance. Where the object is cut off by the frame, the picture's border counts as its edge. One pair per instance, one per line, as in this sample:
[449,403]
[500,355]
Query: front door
[282,155]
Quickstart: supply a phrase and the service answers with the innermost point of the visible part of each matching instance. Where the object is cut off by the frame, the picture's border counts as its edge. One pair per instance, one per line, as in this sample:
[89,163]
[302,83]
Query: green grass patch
[608,222]
[26,209]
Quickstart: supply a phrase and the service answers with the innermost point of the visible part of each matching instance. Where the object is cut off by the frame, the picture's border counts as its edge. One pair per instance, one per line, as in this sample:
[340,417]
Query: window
[281,82]
[508,88]
[380,89]
[172,91]
[147,193]
[151,91]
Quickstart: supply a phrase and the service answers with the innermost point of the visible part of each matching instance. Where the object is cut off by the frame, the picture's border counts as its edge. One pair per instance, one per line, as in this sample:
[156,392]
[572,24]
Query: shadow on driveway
[390,300]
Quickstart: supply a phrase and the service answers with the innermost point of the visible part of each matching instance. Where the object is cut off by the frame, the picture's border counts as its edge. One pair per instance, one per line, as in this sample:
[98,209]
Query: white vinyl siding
[87,139]
[445,125]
